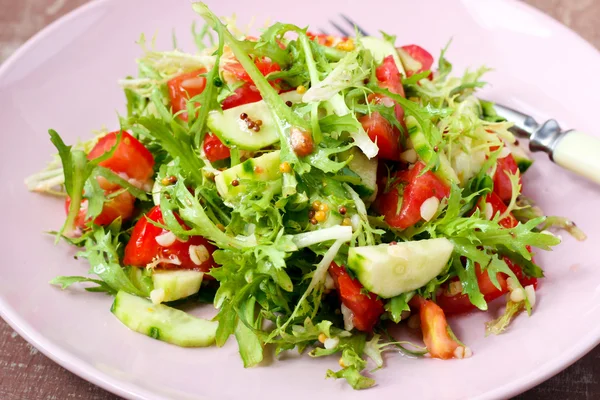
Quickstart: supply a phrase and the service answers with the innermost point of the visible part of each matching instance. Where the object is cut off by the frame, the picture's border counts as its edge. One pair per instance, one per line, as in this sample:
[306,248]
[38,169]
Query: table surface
[25,373]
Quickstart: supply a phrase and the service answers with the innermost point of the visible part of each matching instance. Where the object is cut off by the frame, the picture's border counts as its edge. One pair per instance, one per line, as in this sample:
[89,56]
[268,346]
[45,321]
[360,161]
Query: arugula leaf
[116,179]
[76,169]
[249,344]
[65,281]
[101,250]
[352,349]
[208,97]
[349,72]
[499,325]
[396,305]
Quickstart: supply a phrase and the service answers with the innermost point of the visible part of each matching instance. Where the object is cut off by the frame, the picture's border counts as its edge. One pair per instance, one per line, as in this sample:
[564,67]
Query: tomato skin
[143,249]
[435,330]
[245,94]
[381,131]
[366,308]
[460,303]
[499,207]
[419,55]
[417,188]
[183,87]
[502,185]
[131,157]
[378,128]
[214,149]
[389,76]
[265,67]
[119,206]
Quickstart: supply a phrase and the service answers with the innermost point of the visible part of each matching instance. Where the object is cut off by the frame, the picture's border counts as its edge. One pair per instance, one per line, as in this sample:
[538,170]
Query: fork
[572,150]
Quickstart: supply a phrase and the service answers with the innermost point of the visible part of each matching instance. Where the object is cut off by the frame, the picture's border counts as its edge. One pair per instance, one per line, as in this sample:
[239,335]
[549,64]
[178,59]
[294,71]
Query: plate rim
[90,373]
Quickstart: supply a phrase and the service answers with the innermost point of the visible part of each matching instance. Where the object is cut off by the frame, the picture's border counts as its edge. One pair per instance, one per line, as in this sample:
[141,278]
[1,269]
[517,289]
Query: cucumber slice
[234,132]
[389,270]
[162,322]
[522,158]
[264,168]
[366,169]
[426,152]
[177,284]
[380,49]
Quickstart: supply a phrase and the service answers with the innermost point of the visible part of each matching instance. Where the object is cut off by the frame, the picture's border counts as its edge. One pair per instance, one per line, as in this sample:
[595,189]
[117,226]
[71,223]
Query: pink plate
[65,78]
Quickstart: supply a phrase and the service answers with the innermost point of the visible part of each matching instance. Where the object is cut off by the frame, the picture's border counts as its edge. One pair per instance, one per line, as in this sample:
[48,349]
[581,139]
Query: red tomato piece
[411,188]
[434,326]
[130,156]
[383,133]
[143,248]
[502,185]
[214,149]
[265,68]
[183,87]
[420,60]
[389,76]
[119,206]
[499,207]
[378,128]
[460,303]
[242,95]
[367,308]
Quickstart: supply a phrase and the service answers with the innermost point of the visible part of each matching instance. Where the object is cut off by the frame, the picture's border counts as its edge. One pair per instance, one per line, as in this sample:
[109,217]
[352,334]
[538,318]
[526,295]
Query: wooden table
[26,374]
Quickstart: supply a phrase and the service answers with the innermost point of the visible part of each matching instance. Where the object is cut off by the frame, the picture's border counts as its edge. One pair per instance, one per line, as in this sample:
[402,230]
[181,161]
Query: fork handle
[580,153]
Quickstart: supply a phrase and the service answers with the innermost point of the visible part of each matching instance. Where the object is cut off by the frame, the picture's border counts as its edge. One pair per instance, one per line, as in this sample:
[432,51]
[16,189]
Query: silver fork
[346,31]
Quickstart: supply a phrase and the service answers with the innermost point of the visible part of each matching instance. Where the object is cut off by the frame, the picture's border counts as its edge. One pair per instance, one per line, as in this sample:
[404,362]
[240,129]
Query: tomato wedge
[131,157]
[183,87]
[434,326]
[499,207]
[383,133]
[389,76]
[119,206]
[265,67]
[460,303]
[245,94]
[502,185]
[214,149]
[401,204]
[144,247]
[367,308]
[379,129]
[415,59]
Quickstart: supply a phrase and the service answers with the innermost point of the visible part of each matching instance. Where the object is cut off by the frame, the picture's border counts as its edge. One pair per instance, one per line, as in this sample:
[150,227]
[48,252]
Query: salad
[316,190]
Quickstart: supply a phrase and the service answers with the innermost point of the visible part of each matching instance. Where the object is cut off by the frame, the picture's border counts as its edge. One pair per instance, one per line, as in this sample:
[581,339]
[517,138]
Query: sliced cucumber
[392,269]
[264,168]
[366,169]
[426,152]
[162,322]
[380,49]
[176,284]
[234,132]
[523,160]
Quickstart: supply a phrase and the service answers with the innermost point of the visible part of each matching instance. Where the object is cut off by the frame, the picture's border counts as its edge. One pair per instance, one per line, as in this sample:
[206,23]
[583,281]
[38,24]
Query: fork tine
[340,29]
[354,24]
